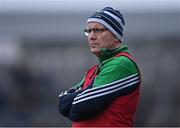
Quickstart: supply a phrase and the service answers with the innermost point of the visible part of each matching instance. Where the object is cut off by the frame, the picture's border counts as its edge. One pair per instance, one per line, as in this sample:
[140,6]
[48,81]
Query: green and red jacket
[109,94]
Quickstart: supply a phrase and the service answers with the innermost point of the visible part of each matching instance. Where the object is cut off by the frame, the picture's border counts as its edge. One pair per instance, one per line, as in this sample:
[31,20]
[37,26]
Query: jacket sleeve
[66,98]
[116,78]
[65,101]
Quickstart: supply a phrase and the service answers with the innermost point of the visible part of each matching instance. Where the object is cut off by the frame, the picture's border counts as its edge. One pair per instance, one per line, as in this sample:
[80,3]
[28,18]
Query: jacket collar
[106,53]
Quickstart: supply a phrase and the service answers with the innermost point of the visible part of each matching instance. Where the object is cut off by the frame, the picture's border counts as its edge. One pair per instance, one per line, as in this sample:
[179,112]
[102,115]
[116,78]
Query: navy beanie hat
[112,19]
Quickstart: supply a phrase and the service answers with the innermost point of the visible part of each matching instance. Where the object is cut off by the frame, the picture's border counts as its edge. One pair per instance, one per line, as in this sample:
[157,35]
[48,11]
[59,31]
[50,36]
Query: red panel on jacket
[118,114]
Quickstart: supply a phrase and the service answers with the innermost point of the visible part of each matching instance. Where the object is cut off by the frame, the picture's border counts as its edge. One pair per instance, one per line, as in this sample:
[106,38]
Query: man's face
[100,39]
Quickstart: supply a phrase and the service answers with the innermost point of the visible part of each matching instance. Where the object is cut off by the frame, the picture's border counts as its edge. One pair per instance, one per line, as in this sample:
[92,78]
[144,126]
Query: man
[109,93]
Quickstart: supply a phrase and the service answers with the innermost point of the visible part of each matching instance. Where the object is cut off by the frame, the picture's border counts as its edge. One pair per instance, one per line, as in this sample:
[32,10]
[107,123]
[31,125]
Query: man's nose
[92,35]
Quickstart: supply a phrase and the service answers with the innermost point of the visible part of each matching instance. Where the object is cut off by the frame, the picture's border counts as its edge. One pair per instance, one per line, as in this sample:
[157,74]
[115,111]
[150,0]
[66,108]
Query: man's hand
[71,90]
[63,93]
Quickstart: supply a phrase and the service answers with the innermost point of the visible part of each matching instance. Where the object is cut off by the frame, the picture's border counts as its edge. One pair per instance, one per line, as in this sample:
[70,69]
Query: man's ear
[117,40]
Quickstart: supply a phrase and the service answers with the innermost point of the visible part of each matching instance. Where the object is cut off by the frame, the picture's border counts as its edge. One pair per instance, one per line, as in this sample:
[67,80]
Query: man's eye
[90,30]
[96,30]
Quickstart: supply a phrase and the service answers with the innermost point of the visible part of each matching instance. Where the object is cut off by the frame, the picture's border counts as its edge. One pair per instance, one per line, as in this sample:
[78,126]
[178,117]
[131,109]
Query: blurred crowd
[23,91]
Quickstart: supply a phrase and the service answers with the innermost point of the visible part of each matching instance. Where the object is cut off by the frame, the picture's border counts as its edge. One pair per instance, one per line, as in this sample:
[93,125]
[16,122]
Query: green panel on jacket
[115,69]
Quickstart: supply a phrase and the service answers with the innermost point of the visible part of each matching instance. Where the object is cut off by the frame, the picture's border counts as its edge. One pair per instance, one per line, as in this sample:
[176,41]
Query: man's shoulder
[115,69]
[120,63]
[121,60]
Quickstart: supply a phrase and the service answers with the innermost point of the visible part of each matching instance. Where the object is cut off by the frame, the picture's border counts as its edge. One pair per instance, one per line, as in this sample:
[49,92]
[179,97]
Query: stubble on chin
[95,51]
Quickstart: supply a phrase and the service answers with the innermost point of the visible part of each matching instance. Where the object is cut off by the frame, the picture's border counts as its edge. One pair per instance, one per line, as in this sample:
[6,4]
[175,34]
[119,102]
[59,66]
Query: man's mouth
[93,44]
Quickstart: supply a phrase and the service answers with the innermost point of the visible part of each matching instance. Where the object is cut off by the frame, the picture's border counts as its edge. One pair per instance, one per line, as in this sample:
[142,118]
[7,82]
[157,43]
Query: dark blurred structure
[42,54]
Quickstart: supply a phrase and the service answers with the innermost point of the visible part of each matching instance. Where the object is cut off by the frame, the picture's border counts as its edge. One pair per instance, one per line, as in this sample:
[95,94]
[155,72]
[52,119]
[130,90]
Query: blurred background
[43,51]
